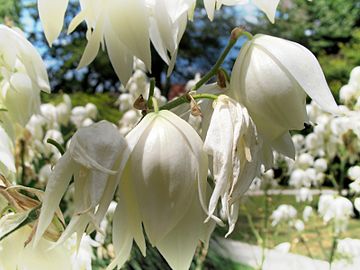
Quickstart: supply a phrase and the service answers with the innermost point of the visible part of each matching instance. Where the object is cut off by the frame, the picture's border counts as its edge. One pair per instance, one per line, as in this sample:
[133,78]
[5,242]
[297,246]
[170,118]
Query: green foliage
[10,9]
[338,66]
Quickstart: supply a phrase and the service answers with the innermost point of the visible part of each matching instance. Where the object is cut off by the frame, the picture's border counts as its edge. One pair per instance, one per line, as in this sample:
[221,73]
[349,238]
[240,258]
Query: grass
[316,239]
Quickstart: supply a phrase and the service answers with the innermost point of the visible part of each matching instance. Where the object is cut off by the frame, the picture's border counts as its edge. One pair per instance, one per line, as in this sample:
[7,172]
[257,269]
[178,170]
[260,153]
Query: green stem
[235,35]
[57,145]
[253,229]
[266,227]
[155,104]
[317,230]
[333,247]
[22,157]
[151,94]
[343,159]
[304,242]
[186,99]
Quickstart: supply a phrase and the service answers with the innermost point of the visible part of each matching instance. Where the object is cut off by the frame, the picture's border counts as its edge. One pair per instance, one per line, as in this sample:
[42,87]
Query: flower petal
[55,189]
[268,6]
[303,66]
[52,17]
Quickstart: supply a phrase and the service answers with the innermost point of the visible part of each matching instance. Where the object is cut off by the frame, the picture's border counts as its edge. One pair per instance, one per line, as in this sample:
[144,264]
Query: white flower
[22,76]
[308,211]
[299,141]
[298,178]
[299,225]
[336,209]
[236,160]
[119,26]
[162,190]
[40,257]
[284,213]
[271,77]
[81,255]
[123,28]
[44,173]
[95,158]
[305,160]
[267,6]
[355,77]
[168,20]
[348,247]
[320,165]
[304,194]
[354,172]
[355,186]
[357,204]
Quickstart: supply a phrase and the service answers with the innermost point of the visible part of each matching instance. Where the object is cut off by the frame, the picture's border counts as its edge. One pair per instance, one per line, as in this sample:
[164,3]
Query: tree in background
[9,11]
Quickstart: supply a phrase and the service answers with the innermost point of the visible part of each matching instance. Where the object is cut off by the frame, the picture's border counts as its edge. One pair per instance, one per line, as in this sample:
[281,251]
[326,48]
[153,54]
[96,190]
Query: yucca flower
[95,159]
[235,148]
[267,6]
[22,76]
[164,189]
[271,78]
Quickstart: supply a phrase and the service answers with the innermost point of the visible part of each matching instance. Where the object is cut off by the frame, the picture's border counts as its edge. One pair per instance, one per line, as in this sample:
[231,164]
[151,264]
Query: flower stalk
[236,33]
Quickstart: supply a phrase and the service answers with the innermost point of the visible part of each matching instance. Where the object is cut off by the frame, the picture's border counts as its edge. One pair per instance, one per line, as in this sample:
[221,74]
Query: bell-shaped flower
[22,76]
[271,77]
[168,20]
[95,159]
[335,209]
[164,188]
[120,26]
[233,143]
[267,6]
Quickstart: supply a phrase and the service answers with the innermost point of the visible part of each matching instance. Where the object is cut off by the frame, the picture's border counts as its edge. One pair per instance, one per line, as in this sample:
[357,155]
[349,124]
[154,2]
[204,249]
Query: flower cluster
[125,28]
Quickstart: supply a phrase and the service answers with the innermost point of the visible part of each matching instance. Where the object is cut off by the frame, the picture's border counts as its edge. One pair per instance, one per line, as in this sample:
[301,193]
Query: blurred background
[329,28]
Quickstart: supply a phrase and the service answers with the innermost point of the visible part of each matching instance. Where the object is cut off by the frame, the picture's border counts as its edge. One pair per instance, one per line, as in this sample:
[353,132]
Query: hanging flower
[267,6]
[121,27]
[335,209]
[22,76]
[233,143]
[96,157]
[168,20]
[271,77]
[163,188]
